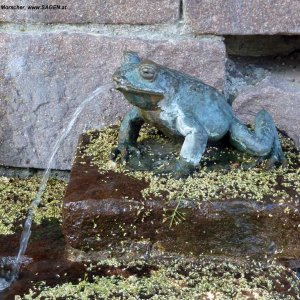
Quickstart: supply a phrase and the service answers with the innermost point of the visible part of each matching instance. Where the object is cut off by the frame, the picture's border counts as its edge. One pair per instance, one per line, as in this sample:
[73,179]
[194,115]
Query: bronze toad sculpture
[181,105]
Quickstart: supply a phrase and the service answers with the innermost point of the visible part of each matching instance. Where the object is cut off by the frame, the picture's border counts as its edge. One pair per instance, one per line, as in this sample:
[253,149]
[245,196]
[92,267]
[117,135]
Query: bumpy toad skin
[181,105]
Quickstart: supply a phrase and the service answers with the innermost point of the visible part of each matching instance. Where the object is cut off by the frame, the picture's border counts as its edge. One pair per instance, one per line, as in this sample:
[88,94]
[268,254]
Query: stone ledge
[243,17]
[105,215]
[96,11]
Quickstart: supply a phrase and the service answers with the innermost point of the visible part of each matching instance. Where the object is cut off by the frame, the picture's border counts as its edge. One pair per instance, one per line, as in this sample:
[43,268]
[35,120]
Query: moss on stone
[182,279]
[207,184]
[175,278]
[16,196]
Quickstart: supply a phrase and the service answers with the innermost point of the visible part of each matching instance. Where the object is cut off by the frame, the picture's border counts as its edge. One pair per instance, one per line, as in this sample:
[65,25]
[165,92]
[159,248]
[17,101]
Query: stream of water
[6,282]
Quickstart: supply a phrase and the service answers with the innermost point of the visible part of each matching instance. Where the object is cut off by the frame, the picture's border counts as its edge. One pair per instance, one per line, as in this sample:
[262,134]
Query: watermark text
[34,7]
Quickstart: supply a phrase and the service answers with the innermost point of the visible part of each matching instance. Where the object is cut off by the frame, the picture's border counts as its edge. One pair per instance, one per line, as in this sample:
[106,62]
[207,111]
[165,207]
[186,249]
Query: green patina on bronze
[183,107]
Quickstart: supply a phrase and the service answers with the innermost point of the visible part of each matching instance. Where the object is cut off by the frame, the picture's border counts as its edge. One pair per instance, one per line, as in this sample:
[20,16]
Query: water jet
[25,236]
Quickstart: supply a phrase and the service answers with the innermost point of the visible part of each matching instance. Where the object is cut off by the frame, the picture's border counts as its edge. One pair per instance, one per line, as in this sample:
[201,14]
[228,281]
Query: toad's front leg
[128,134]
[193,147]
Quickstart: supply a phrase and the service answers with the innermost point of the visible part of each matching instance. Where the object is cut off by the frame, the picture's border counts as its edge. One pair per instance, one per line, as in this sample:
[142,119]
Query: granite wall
[52,56]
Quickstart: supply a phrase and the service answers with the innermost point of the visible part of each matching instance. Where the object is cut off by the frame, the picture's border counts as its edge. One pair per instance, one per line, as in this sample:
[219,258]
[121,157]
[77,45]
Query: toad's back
[197,103]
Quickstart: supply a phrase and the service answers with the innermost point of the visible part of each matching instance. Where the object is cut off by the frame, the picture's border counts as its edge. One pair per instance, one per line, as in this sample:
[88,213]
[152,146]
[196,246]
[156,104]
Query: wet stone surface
[106,214]
[45,262]
[46,272]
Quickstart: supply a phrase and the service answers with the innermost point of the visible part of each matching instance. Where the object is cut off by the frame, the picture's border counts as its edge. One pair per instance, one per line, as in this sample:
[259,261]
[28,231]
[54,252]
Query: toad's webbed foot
[252,165]
[272,163]
[268,163]
[124,153]
[183,169]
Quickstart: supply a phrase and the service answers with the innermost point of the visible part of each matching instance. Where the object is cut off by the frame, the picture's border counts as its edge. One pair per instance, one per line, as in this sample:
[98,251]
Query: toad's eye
[147,71]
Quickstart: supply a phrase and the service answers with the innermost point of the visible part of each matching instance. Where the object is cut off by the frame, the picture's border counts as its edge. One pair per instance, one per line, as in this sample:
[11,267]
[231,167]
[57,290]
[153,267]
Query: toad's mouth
[123,86]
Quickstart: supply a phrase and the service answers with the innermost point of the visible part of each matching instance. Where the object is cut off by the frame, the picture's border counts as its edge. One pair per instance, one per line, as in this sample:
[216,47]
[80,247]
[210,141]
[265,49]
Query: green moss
[207,184]
[182,279]
[16,196]
[178,278]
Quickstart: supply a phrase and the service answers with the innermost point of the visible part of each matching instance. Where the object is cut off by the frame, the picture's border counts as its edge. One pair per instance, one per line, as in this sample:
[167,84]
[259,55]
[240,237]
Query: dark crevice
[262,45]
[258,65]
[180,10]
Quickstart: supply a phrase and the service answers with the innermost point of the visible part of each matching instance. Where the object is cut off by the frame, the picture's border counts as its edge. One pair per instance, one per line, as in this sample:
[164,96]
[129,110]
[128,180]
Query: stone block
[279,97]
[105,215]
[92,11]
[44,77]
[243,17]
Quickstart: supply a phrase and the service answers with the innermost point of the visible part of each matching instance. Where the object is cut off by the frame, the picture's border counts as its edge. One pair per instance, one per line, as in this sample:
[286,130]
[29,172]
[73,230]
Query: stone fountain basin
[105,215]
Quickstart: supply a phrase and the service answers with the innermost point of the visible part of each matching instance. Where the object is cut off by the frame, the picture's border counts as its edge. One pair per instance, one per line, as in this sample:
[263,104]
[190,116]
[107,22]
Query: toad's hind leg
[263,141]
